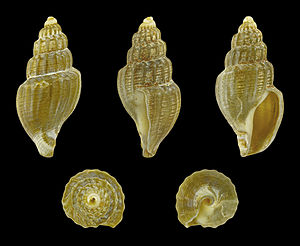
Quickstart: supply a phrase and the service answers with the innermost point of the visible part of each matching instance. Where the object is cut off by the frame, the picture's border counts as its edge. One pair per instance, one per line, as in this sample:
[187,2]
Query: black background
[100,134]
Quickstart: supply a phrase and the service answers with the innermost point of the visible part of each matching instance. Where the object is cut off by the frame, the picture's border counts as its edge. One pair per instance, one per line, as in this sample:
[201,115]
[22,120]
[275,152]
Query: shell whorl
[50,51]
[146,43]
[148,23]
[247,45]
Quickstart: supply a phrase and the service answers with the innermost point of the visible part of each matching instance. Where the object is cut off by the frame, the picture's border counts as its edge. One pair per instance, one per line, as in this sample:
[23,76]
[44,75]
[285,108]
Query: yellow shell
[245,92]
[146,88]
[206,198]
[92,198]
[52,89]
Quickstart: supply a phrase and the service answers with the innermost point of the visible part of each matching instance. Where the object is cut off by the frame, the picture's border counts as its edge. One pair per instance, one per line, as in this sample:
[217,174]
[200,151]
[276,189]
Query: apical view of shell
[52,89]
[206,198]
[146,88]
[92,198]
[245,92]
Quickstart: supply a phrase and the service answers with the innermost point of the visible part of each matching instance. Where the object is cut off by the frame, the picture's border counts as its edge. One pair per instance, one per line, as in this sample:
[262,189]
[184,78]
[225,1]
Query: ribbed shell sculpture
[92,198]
[52,89]
[245,92]
[206,198]
[146,88]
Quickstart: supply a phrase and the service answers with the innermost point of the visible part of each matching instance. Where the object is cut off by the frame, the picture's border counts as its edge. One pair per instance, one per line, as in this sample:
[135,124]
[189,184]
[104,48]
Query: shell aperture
[52,89]
[146,88]
[245,92]
[207,198]
[92,198]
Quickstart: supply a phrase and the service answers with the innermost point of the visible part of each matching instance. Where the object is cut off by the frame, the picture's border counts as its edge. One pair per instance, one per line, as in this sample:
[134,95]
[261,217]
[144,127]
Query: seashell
[245,92]
[206,198]
[52,89]
[146,88]
[92,198]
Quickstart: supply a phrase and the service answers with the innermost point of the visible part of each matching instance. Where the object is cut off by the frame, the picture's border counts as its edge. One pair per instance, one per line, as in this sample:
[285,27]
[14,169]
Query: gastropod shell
[92,198]
[207,198]
[146,88]
[245,92]
[52,89]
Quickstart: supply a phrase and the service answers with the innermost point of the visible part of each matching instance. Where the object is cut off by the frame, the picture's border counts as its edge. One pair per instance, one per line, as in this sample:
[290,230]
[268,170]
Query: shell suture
[146,88]
[52,89]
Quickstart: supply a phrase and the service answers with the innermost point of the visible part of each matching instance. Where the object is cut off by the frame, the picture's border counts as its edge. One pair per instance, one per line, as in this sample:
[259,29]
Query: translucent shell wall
[206,198]
[52,89]
[245,92]
[146,88]
[92,198]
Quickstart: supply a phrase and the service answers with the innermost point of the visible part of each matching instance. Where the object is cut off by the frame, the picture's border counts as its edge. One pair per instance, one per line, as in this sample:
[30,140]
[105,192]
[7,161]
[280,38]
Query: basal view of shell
[206,198]
[52,89]
[245,92]
[92,198]
[146,88]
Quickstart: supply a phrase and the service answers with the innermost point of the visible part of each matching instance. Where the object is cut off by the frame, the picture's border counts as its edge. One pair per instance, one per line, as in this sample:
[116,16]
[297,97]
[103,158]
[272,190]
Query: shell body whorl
[245,92]
[146,88]
[92,198]
[206,198]
[52,89]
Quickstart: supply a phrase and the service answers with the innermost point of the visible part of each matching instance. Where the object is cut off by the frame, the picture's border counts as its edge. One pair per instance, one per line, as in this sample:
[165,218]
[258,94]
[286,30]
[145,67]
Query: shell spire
[248,22]
[148,23]
[52,89]
[50,21]
[245,92]
[93,198]
[146,88]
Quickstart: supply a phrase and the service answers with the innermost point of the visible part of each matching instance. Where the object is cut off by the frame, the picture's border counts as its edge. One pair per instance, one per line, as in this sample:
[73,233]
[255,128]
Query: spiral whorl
[51,38]
[50,52]
[248,23]
[248,34]
[147,23]
[92,198]
[246,46]
[146,43]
